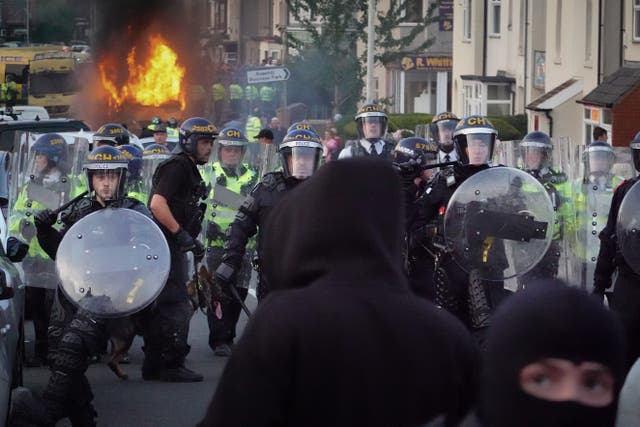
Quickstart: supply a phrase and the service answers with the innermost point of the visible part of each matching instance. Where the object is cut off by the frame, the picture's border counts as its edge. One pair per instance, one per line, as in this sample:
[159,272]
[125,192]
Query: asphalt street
[138,403]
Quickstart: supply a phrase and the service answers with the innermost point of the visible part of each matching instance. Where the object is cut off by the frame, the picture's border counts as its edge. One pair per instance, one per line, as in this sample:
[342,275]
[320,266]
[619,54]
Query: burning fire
[156,82]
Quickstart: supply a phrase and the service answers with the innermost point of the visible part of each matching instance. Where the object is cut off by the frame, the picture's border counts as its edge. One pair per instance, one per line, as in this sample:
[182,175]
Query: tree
[326,66]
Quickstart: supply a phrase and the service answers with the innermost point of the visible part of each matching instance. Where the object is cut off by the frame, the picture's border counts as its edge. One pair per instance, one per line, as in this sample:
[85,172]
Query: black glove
[16,249]
[27,229]
[225,274]
[214,231]
[45,219]
[187,243]
[198,251]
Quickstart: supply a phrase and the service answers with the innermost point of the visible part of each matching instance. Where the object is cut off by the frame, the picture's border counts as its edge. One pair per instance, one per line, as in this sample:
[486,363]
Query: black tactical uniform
[254,211]
[74,335]
[179,182]
[374,144]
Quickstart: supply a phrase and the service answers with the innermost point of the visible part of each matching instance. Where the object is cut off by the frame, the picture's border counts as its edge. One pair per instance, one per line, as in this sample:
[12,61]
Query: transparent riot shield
[628,228]
[592,193]
[113,262]
[498,223]
[507,153]
[43,176]
[269,159]
[152,156]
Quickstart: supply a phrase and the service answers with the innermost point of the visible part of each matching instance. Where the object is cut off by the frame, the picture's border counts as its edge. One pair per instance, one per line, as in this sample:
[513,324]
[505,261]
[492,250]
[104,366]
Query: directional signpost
[267,74]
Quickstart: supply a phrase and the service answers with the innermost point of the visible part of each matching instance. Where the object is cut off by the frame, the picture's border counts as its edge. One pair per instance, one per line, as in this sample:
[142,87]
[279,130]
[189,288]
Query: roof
[557,96]
[489,79]
[613,88]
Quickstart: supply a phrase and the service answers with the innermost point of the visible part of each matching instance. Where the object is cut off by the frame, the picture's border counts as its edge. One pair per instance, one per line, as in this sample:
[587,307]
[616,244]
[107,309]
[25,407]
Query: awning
[557,96]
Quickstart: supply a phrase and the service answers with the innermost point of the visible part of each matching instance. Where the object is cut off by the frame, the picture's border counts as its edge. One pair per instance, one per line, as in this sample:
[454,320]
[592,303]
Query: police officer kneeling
[175,204]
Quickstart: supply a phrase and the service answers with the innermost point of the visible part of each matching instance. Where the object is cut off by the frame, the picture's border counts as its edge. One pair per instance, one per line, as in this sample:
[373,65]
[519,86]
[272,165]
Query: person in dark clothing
[470,300]
[176,204]
[300,154]
[75,335]
[371,123]
[341,340]
[554,358]
[625,301]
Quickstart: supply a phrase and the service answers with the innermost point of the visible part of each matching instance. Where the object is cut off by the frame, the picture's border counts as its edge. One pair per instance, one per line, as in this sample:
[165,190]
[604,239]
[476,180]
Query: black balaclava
[547,322]
[343,224]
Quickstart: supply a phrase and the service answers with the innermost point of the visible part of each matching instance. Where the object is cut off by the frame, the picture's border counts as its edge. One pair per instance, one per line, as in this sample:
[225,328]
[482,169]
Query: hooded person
[554,358]
[342,340]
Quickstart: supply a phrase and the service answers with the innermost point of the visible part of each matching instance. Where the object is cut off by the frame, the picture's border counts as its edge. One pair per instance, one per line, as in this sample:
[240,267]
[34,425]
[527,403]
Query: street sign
[267,74]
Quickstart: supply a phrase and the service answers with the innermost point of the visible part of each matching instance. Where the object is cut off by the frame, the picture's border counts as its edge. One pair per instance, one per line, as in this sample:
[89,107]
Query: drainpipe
[599,67]
[484,38]
[526,53]
[622,31]
[547,113]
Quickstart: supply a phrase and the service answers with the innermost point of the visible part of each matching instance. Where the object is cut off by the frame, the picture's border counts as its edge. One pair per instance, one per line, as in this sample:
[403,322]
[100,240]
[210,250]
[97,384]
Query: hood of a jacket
[344,224]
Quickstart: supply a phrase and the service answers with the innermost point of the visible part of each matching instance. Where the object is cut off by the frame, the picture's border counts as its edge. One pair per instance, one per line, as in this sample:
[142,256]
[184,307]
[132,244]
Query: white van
[24,112]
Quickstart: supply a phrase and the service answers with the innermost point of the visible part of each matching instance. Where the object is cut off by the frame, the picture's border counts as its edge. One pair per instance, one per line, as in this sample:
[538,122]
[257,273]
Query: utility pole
[28,19]
[370,49]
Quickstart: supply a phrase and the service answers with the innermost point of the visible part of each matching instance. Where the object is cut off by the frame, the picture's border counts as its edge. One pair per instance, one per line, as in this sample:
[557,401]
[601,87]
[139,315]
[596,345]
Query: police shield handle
[482,223]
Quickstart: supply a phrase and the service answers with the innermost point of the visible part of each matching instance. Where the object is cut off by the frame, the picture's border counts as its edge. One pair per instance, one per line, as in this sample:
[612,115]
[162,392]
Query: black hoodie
[547,322]
[342,341]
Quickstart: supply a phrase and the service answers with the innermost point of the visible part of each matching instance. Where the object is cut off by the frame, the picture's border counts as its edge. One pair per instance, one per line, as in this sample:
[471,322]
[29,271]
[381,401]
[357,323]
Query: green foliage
[506,131]
[56,23]
[407,121]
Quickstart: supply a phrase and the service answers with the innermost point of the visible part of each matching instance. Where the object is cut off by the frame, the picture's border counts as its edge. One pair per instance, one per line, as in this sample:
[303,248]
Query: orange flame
[155,83]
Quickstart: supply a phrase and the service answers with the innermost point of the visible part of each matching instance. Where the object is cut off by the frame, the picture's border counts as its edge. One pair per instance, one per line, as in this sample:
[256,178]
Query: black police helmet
[537,141]
[53,146]
[417,149]
[477,129]
[300,143]
[194,129]
[112,134]
[440,123]
[635,151]
[371,112]
[106,158]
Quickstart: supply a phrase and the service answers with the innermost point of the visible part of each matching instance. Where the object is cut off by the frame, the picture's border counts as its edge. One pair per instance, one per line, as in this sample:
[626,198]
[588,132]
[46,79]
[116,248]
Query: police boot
[180,374]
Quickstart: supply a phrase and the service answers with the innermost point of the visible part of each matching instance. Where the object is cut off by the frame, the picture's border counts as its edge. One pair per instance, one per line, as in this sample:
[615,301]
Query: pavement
[138,403]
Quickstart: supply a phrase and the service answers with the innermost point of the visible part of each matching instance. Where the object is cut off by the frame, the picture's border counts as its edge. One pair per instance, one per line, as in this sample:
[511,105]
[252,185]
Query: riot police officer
[75,334]
[300,154]
[474,138]
[625,300]
[175,202]
[371,122]
[536,152]
[411,156]
[230,173]
[134,186]
[441,132]
[48,171]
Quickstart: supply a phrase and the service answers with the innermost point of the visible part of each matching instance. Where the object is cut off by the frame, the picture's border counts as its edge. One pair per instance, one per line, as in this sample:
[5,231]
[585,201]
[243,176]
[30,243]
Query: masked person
[536,151]
[474,138]
[371,122]
[441,132]
[592,199]
[230,172]
[47,171]
[300,154]
[337,312]
[75,334]
[554,358]
[176,204]
[625,300]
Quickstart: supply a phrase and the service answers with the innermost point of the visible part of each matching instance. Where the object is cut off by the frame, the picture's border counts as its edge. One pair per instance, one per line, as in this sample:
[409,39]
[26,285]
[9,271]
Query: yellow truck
[14,62]
[54,81]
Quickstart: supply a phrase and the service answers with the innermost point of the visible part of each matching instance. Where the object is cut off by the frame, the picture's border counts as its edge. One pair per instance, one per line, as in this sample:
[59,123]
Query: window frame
[635,23]
[467,34]
[493,6]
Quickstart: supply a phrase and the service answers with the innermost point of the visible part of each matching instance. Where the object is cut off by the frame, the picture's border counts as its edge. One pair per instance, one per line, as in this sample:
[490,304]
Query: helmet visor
[372,127]
[303,161]
[535,157]
[600,161]
[479,147]
[442,133]
[106,182]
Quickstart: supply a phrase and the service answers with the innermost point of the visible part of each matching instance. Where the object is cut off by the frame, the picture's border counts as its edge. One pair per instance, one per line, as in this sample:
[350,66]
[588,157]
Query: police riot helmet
[635,151]
[53,146]
[134,157]
[156,120]
[369,114]
[418,149]
[172,122]
[441,130]
[112,134]
[231,137]
[535,149]
[303,149]
[302,126]
[477,134]
[109,161]
[598,158]
[194,129]
[156,151]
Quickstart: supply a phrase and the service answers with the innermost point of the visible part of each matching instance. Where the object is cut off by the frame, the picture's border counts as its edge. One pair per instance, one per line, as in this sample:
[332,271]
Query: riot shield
[269,160]
[628,228]
[113,262]
[498,223]
[152,156]
[592,194]
[42,178]
[506,153]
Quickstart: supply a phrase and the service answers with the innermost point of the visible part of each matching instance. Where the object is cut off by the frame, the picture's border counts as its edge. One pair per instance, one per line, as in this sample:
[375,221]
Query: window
[588,31]
[594,117]
[636,20]
[498,99]
[492,99]
[412,10]
[466,25]
[558,30]
[494,16]
[220,16]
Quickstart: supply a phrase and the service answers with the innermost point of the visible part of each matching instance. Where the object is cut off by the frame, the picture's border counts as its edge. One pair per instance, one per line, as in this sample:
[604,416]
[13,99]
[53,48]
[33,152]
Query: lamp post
[27,20]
